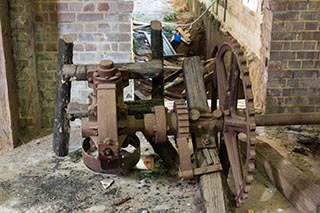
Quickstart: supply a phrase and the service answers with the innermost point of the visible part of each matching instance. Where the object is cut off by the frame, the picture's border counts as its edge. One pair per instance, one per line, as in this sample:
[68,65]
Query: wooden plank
[151,69]
[61,129]
[193,77]
[211,184]
[157,53]
[8,90]
[298,188]
[185,37]
[213,191]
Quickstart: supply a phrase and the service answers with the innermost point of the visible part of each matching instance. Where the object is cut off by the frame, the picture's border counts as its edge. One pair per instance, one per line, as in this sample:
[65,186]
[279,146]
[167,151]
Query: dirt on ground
[299,144]
[33,179]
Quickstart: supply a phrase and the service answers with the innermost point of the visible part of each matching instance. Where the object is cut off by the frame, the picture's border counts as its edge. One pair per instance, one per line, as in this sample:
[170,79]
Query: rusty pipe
[288,119]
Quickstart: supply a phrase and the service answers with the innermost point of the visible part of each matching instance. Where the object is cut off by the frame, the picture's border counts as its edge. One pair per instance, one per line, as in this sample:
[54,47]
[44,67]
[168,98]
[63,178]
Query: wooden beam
[298,188]
[211,184]
[8,87]
[61,130]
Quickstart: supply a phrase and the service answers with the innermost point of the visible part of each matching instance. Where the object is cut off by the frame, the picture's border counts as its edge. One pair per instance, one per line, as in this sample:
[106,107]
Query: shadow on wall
[99,30]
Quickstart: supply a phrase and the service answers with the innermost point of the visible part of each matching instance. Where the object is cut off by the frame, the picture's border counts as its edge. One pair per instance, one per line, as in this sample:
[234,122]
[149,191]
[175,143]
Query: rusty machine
[207,138]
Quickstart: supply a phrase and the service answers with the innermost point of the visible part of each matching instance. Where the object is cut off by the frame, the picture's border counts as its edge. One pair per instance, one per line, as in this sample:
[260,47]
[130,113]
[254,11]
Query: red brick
[287,16]
[314,5]
[89,7]
[53,17]
[103,7]
[125,27]
[49,7]
[125,7]
[75,6]
[78,47]
[103,47]
[62,7]
[125,47]
[124,18]
[42,17]
[114,47]
[66,17]
[309,45]
[297,5]
[309,36]
[278,6]
[103,27]
[312,25]
[90,47]
[90,17]
[51,47]
[296,45]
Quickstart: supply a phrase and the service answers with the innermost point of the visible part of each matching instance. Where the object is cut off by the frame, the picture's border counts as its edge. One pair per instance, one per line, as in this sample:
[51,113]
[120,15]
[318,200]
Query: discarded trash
[176,39]
[106,183]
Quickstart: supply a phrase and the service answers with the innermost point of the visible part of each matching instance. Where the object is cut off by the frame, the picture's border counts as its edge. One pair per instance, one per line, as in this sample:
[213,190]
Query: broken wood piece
[172,67]
[297,187]
[185,37]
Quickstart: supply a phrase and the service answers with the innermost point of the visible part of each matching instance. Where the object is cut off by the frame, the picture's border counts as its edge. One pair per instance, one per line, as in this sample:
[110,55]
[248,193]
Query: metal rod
[288,119]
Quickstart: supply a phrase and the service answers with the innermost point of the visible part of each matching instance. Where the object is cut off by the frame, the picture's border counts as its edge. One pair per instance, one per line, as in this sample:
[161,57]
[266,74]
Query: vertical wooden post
[157,53]
[8,87]
[61,132]
[211,184]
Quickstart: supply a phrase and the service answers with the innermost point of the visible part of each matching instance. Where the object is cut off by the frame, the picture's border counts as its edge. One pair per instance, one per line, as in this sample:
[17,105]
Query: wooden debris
[297,187]
[185,36]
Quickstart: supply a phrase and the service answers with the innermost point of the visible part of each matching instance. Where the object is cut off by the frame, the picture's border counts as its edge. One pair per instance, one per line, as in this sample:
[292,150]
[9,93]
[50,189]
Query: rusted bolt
[194,115]
[226,112]
[108,152]
[217,113]
[205,140]
[106,64]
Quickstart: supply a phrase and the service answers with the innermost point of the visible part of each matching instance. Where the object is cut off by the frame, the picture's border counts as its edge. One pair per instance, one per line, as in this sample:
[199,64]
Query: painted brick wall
[100,29]
[294,74]
[244,25]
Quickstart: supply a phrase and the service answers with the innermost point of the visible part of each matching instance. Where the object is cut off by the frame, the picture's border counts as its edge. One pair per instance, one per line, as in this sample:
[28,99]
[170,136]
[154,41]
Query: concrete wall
[294,74]
[100,29]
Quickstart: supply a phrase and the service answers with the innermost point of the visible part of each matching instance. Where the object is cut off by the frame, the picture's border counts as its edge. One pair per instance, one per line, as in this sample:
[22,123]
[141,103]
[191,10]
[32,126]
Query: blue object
[176,40]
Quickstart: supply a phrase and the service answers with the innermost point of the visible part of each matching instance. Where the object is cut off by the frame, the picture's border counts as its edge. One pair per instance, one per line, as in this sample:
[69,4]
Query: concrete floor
[32,179]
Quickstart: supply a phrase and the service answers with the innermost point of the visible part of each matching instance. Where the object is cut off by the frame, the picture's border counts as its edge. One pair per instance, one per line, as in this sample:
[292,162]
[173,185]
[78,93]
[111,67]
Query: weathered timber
[61,132]
[211,184]
[8,87]
[288,119]
[193,77]
[157,53]
[151,69]
[77,110]
[297,187]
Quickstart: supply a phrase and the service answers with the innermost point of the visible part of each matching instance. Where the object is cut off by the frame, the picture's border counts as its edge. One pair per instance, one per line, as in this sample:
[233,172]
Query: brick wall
[24,52]
[244,25]
[100,29]
[294,74]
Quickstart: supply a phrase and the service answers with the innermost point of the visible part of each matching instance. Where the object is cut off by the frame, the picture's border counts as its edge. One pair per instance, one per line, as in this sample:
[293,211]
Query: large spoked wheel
[236,102]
